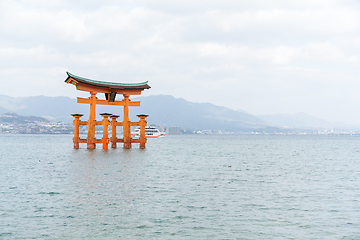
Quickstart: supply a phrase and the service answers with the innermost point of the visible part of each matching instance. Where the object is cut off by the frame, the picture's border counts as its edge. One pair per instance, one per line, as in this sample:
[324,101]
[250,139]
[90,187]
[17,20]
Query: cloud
[260,56]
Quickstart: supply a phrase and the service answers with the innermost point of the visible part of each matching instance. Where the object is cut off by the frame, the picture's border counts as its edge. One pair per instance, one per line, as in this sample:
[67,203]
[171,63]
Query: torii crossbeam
[111,90]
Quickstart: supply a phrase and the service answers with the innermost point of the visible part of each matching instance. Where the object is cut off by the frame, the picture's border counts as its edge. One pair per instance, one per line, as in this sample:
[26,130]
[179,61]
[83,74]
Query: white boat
[150,132]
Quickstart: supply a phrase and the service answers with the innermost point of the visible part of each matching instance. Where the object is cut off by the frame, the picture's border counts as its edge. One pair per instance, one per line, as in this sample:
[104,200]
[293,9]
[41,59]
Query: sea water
[181,187]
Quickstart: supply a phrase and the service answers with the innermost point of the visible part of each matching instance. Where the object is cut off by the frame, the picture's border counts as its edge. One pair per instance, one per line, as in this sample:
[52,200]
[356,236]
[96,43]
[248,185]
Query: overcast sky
[260,56]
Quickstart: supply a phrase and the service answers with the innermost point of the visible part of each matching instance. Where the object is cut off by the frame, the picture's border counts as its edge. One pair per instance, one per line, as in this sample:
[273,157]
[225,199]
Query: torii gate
[111,90]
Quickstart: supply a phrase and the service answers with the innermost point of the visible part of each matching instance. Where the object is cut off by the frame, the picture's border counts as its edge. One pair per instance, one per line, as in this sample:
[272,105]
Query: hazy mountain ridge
[52,108]
[15,118]
[298,120]
[162,109]
[165,110]
[303,120]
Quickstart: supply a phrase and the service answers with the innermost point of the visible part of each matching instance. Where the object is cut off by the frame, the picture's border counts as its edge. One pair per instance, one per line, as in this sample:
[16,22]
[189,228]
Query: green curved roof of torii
[142,85]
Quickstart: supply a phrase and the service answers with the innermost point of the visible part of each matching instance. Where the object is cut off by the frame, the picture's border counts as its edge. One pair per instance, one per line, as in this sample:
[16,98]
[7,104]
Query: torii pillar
[126,127]
[91,143]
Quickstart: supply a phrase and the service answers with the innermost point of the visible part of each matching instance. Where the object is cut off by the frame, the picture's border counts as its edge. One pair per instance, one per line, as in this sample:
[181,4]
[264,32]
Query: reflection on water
[105,185]
[182,187]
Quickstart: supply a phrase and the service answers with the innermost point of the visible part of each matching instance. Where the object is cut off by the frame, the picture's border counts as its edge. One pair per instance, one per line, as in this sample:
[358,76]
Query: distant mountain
[162,109]
[298,120]
[167,110]
[51,108]
[240,110]
[15,118]
[3,110]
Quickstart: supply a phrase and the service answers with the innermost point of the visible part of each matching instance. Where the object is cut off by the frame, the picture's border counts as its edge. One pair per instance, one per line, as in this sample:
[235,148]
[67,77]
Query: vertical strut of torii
[111,90]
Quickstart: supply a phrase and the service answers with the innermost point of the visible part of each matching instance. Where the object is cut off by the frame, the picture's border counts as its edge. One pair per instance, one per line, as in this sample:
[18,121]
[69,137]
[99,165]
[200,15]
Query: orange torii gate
[111,90]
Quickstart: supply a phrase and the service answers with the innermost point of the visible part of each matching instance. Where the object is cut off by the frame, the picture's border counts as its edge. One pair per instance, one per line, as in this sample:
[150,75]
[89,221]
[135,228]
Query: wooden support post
[126,126]
[142,129]
[113,139]
[91,143]
[76,123]
[105,123]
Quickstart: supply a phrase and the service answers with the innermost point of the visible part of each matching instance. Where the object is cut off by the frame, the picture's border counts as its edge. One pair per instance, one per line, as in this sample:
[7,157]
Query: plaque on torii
[111,90]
